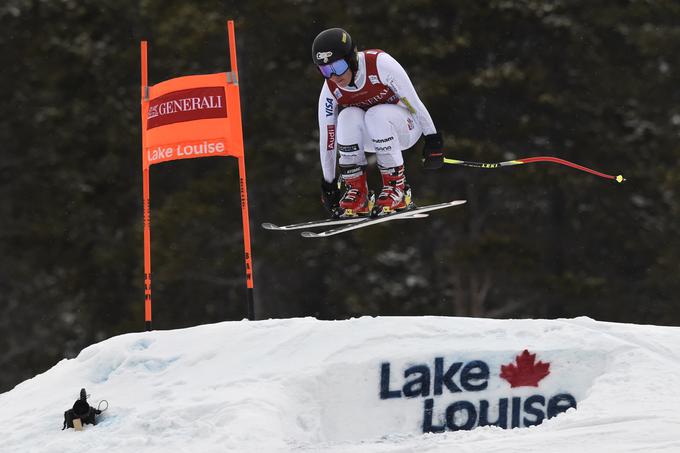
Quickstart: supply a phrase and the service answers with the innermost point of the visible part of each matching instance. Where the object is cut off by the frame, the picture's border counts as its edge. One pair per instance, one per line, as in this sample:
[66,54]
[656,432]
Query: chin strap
[351,83]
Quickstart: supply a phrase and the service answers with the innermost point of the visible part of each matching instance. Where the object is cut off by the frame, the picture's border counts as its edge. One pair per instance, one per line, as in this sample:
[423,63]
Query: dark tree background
[595,82]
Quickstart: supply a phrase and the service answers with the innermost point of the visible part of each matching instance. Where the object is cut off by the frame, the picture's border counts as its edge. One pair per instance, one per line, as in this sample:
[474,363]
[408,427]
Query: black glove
[330,195]
[433,156]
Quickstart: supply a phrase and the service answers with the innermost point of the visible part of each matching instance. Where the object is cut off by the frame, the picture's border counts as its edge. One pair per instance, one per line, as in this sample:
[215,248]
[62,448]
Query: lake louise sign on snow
[461,395]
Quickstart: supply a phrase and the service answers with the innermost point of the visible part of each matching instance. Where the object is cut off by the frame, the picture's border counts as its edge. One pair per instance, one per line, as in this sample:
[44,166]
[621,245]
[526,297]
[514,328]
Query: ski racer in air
[367,104]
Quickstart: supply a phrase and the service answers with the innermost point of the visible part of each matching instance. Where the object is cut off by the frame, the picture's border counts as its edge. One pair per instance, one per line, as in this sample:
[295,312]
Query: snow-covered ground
[363,385]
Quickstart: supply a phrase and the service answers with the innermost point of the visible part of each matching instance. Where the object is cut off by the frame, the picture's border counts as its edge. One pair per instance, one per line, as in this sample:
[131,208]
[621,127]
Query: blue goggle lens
[338,67]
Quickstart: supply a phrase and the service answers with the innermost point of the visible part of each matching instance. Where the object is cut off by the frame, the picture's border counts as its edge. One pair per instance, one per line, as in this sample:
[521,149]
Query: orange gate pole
[242,175]
[146,192]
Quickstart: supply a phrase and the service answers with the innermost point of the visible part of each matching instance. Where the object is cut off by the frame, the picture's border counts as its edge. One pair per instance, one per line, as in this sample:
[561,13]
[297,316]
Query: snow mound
[382,384]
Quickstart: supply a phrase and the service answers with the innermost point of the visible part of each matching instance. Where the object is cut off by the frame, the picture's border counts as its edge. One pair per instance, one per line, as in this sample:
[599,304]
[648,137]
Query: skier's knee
[380,130]
[376,117]
[351,115]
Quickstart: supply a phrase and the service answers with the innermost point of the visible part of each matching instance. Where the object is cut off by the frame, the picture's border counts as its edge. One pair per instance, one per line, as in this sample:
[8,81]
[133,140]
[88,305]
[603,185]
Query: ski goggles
[338,67]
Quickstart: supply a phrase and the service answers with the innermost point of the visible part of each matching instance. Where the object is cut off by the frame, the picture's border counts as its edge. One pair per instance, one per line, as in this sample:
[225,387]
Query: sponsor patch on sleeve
[330,141]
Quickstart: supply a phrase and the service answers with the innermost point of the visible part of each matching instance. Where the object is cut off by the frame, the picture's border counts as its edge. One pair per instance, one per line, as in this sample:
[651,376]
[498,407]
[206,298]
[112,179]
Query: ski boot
[356,201]
[395,194]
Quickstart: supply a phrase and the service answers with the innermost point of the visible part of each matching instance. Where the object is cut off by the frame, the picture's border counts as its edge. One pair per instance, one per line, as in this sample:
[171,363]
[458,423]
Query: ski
[410,214]
[326,222]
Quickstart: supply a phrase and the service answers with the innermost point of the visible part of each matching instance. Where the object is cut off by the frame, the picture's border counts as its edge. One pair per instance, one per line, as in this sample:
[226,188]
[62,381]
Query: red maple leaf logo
[527,372]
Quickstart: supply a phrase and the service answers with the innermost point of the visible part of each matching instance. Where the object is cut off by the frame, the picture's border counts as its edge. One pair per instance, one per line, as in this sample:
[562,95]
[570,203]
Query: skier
[367,104]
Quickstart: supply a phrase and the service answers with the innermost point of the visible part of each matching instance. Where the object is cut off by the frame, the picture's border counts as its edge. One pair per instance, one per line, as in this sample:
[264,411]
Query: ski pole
[529,160]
